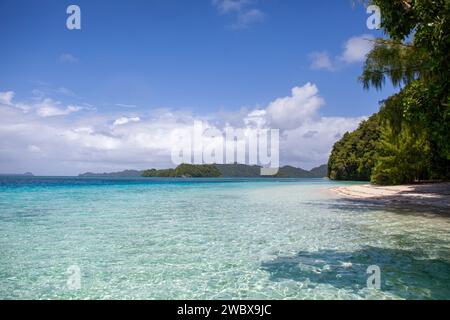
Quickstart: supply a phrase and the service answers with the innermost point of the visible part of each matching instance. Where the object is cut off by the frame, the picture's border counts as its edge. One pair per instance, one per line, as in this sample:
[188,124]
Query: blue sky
[207,57]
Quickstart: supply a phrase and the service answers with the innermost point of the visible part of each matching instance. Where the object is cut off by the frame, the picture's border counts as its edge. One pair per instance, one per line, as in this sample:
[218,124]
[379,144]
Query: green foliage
[353,157]
[402,157]
[415,123]
[402,63]
[197,171]
[185,171]
[320,171]
[153,173]
[239,170]
[231,170]
[121,174]
[243,170]
[292,172]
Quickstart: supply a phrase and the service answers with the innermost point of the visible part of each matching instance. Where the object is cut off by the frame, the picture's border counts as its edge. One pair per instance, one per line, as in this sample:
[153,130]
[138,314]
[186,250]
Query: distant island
[125,174]
[26,174]
[215,171]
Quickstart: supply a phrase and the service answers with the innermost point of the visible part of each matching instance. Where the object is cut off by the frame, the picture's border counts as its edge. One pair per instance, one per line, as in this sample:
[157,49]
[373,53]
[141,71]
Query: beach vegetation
[413,139]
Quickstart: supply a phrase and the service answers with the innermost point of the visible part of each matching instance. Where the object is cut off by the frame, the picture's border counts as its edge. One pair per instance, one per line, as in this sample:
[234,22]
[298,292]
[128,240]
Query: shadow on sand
[404,273]
[363,206]
[421,198]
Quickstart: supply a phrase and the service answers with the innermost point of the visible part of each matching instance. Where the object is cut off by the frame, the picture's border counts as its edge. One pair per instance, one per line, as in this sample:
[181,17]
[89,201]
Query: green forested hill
[185,170]
[121,174]
[239,170]
[292,172]
[353,157]
[232,171]
[243,170]
[159,173]
[320,171]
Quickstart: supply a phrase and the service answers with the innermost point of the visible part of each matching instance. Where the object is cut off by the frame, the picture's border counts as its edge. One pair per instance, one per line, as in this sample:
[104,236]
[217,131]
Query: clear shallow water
[212,239]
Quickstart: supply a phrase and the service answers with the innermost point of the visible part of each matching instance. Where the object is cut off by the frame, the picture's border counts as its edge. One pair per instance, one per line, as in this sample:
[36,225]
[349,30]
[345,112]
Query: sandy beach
[434,195]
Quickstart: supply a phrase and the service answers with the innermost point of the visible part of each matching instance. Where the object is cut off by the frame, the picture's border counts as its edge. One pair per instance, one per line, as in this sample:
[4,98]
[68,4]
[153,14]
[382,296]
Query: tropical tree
[415,56]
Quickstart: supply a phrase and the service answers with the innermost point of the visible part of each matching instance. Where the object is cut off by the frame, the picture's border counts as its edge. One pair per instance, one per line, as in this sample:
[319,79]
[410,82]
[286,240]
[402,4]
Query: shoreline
[436,195]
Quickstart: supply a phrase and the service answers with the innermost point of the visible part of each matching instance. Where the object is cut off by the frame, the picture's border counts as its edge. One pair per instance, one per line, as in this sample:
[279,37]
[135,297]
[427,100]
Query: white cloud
[248,18]
[42,106]
[6,97]
[321,60]
[38,94]
[310,144]
[355,50]
[241,10]
[125,120]
[34,149]
[123,105]
[256,119]
[307,137]
[290,112]
[226,6]
[50,108]
[66,92]
[68,58]
[90,143]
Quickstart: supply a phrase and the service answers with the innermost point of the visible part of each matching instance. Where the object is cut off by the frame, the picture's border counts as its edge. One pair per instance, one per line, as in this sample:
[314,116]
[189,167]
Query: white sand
[435,195]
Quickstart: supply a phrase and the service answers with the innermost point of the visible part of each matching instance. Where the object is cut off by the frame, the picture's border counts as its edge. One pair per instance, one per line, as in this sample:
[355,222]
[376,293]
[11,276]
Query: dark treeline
[185,170]
[232,171]
[235,170]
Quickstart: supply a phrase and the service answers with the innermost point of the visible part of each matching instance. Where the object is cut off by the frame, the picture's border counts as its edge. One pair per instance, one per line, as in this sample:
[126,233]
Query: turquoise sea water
[212,239]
